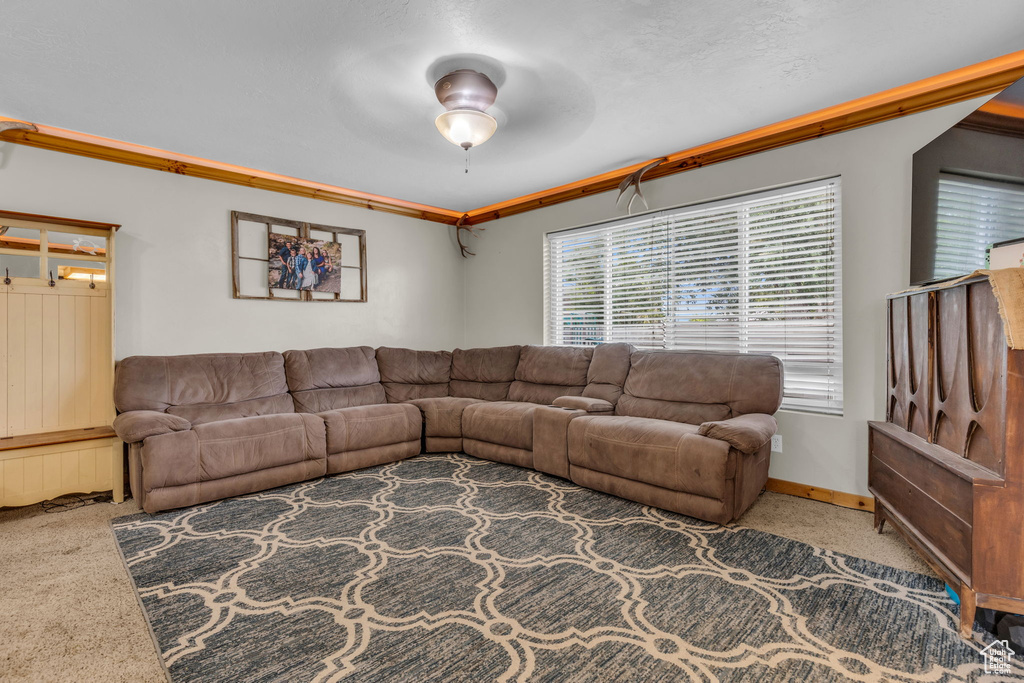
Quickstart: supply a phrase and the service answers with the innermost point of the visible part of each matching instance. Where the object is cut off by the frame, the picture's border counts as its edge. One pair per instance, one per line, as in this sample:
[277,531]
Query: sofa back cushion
[546,372]
[608,370]
[407,374]
[700,386]
[204,387]
[484,374]
[328,379]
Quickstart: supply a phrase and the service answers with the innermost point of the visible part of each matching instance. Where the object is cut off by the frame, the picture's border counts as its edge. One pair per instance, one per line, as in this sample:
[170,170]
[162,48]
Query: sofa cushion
[361,427]
[589,405]
[541,394]
[506,423]
[231,447]
[329,379]
[675,411]
[442,416]
[666,454]
[159,382]
[212,412]
[407,374]
[700,386]
[561,365]
[546,372]
[484,373]
[327,368]
[321,400]
[607,372]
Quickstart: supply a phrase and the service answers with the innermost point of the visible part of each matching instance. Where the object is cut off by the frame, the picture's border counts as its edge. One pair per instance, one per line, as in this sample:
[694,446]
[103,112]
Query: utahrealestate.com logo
[997,657]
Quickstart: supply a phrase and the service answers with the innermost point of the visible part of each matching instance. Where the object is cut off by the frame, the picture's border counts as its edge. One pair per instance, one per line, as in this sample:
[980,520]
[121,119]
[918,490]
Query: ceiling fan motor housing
[465,89]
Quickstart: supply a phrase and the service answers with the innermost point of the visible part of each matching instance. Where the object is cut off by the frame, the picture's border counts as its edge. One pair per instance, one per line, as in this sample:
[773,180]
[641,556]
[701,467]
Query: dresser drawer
[936,502]
[948,489]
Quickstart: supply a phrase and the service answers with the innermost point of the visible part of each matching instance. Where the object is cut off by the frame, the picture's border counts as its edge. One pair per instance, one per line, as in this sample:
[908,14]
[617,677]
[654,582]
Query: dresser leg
[968,606]
[879,517]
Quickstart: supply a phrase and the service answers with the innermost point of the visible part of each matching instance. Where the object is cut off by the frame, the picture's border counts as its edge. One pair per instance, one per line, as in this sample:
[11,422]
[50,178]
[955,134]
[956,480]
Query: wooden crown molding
[954,86]
[95,147]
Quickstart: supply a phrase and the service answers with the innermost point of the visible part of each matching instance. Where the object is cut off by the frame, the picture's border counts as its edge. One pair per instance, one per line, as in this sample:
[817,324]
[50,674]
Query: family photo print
[304,264]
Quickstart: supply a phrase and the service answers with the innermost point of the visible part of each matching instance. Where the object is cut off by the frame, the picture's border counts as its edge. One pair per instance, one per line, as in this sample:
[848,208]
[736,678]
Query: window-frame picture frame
[303,232]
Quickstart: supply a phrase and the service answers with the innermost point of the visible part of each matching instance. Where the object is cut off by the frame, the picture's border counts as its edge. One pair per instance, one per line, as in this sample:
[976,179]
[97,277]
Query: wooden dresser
[946,468]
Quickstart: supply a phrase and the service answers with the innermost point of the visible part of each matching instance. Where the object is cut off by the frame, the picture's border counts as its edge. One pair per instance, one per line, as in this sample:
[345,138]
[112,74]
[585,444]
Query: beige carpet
[69,612]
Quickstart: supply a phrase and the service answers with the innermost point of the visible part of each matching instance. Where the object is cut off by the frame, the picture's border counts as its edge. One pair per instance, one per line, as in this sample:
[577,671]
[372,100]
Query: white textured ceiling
[341,92]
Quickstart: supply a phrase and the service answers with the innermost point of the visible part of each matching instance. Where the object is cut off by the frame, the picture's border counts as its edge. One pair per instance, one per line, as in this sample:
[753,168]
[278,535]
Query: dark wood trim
[56,220]
[235,286]
[51,438]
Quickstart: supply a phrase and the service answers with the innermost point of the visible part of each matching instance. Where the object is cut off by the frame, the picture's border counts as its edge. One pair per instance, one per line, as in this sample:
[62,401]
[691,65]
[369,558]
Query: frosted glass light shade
[466,127]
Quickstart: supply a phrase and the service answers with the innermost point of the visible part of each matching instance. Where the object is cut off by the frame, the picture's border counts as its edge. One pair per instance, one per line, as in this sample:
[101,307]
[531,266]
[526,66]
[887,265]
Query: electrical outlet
[777,443]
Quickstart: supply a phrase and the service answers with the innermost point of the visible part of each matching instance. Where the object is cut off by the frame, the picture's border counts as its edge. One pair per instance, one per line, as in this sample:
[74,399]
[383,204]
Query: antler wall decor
[17,125]
[633,179]
[471,229]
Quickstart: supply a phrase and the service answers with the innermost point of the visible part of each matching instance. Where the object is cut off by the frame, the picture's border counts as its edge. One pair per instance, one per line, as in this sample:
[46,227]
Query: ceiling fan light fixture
[465,94]
[466,127]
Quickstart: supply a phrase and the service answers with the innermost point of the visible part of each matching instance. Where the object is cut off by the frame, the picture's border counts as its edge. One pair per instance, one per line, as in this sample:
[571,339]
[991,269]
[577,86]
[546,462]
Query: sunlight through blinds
[756,274]
[973,214]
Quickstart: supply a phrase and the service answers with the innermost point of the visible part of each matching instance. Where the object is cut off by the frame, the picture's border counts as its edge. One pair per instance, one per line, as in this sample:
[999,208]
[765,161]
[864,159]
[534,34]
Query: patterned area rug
[450,568]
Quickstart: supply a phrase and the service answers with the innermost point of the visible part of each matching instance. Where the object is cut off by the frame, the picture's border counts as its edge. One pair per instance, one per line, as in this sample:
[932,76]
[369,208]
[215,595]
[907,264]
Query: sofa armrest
[137,425]
[551,439]
[745,433]
[590,405]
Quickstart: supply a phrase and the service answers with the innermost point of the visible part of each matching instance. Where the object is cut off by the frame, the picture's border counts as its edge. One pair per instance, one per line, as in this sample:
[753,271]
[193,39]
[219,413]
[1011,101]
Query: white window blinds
[757,274]
[973,214]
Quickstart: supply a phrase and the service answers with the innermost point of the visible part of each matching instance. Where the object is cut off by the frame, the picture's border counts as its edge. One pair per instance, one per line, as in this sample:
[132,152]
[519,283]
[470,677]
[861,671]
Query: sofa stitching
[508,418]
[389,416]
[632,443]
[250,437]
[308,379]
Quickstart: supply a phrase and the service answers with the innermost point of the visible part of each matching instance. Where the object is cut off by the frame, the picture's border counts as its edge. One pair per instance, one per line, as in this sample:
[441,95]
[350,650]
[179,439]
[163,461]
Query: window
[972,215]
[755,274]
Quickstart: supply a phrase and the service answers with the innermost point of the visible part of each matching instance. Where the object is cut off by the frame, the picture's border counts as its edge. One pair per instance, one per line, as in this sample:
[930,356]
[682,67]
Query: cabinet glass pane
[19,238]
[19,266]
[64,269]
[70,243]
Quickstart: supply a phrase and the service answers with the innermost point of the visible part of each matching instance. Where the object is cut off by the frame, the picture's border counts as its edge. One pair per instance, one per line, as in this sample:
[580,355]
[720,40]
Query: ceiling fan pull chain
[467,160]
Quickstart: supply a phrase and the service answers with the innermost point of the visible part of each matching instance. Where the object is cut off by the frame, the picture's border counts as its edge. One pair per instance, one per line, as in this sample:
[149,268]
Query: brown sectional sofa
[684,431]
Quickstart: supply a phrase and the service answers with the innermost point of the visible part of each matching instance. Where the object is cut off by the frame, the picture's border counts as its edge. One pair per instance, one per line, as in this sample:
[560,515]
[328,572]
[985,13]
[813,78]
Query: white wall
[504,283]
[173,261]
